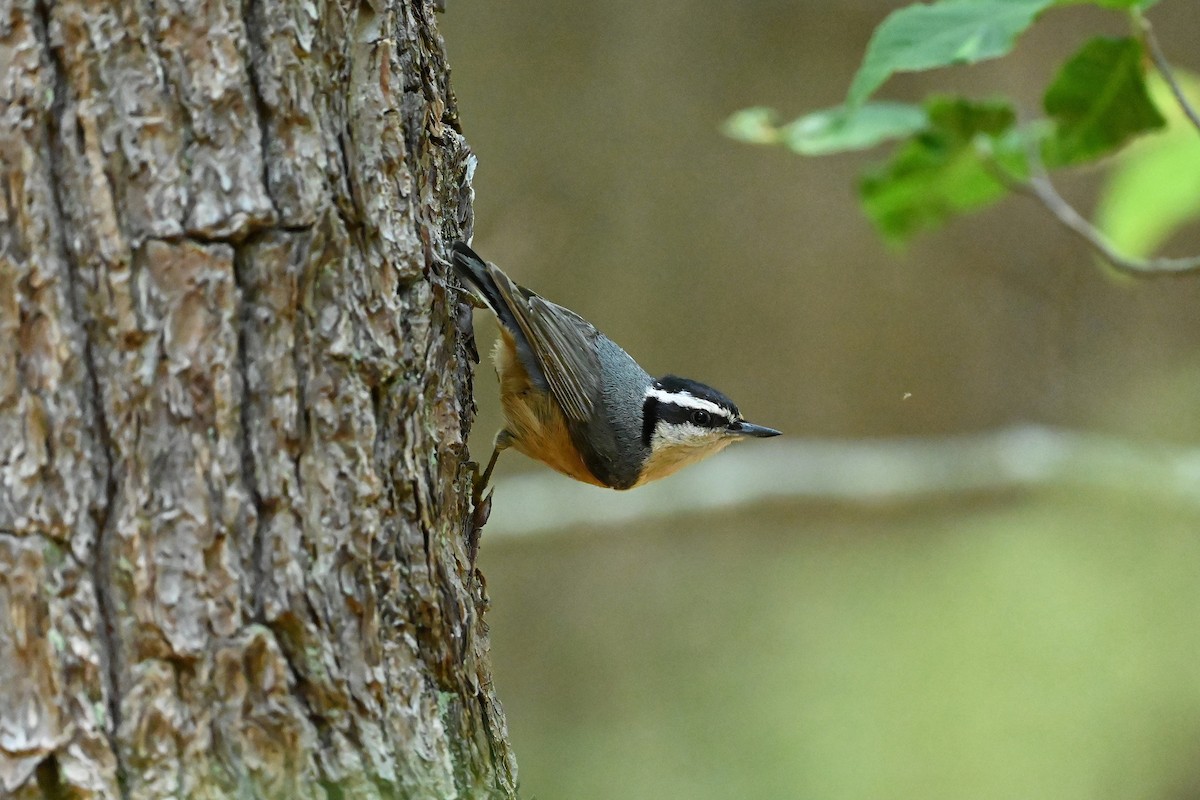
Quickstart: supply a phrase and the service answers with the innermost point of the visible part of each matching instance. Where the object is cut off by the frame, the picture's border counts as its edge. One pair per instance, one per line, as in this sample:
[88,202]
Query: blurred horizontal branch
[855,471]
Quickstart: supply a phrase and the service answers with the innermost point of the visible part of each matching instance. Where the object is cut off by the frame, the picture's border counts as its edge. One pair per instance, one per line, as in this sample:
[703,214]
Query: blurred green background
[1030,643]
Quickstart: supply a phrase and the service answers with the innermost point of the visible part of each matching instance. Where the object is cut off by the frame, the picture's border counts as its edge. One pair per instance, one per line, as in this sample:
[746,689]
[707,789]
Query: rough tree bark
[234,395]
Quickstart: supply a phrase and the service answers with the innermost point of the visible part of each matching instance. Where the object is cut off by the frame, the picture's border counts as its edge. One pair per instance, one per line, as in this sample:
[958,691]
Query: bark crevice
[49,779]
[262,111]
[105,519]
[249,475]
[107,643]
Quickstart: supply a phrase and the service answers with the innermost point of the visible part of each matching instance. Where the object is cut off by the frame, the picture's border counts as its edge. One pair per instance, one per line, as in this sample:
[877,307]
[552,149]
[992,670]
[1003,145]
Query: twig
[1164,68]
[1039,186]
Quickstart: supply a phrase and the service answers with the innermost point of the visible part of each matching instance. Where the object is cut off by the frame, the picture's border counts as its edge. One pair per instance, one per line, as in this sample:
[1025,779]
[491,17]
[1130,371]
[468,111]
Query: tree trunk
[234,396]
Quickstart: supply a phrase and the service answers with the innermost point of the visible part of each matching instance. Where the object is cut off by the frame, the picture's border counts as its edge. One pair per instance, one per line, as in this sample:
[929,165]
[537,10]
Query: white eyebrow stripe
[688,400]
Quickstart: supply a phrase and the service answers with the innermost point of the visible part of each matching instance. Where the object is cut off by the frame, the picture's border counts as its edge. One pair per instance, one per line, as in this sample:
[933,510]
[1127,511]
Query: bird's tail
[481,278]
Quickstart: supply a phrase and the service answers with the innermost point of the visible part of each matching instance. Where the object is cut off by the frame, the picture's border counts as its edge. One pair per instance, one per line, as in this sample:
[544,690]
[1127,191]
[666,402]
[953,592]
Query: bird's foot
[481,509]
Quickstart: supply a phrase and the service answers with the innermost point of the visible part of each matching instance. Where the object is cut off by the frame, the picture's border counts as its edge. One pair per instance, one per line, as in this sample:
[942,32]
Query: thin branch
[1039,186]
[1164,68]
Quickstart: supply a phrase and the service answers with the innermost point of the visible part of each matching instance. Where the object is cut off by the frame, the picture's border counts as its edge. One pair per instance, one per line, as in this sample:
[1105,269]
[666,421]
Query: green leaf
[1098,102]
[756,125]
[834,130]
[1154,186]
[963,119]
[946,170]
[921,37]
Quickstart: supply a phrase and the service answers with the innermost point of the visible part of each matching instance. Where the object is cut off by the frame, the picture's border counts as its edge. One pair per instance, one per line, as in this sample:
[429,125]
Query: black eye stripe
[683,415]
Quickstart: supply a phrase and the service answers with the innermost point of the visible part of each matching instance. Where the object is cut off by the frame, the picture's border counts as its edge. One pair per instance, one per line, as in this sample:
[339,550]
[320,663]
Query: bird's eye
[701,417]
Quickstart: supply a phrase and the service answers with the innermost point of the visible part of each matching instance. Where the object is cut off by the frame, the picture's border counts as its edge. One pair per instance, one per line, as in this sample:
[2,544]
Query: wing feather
[571,341]
[562,342]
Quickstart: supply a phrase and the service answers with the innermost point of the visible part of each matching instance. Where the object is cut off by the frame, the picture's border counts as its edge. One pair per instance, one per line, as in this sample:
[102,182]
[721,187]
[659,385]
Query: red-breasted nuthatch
[577,402]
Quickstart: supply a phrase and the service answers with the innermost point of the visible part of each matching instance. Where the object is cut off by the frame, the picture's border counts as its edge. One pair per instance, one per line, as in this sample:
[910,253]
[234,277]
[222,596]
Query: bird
[577,402]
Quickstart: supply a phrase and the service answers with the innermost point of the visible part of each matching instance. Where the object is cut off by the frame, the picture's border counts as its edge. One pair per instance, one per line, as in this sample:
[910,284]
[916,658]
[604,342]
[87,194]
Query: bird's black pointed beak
[750,429]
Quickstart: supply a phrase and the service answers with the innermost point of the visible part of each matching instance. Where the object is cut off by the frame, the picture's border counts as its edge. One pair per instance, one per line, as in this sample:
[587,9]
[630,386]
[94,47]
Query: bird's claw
[481,509]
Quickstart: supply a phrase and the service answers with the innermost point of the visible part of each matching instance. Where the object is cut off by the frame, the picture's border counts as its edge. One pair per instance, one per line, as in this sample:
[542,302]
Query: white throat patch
[676,446]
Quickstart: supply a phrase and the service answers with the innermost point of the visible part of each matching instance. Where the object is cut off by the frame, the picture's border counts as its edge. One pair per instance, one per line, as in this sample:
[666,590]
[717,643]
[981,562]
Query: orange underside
[534,419]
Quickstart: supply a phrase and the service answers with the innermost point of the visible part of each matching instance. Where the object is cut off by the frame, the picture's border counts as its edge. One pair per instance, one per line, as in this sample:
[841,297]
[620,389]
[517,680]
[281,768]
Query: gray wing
[564,345]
